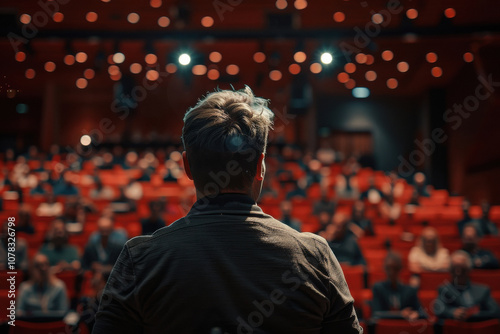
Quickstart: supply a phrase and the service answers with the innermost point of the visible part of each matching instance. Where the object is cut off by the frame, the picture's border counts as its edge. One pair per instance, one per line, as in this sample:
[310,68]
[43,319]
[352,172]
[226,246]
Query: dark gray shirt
[227,265]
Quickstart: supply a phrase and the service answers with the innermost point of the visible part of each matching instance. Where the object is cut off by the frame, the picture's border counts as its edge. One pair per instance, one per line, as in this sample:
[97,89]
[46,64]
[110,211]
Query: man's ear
[261,168]
[186,165]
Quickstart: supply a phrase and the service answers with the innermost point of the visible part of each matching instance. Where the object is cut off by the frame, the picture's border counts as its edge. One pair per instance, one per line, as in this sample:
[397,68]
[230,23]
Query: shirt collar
[234,203]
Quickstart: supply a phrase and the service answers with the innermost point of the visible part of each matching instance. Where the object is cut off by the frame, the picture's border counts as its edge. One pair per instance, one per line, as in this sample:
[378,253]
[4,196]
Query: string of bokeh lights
[213,72]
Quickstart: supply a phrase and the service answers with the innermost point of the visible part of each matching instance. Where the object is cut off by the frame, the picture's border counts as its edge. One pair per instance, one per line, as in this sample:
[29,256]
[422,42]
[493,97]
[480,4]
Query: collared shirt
[226,265]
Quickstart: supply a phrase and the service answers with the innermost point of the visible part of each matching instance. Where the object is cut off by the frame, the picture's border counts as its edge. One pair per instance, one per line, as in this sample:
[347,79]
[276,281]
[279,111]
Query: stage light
[315,68]
[69,59]
[113,70]
[412,13]
[151,59]
[118,58]
[450,13]
[300,4]
[133,18]
[152,75]
[361,58]
[326,58]
[207,21]
[436,72]
[294,69]
[200,69]
[58,17]
[387,55]
[431,57]
[343,77]
[81,57]
[468,57]
[85,140]
[232,69]
[91,16]
[350,67]
[184,59]
[259,57]
[171,68]
[213,74]
[155,3]
[350,84]
[361,92]
[281,4]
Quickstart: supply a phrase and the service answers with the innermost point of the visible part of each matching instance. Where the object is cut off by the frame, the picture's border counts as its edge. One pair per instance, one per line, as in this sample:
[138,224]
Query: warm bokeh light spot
[343,77]
[69,59]
[163,21]
[315,68]
[350,84]
[431,57]
[403,66]
[199,69]
[118,58]
[135,68]
[81,57]
[377,18]
[370,59]
[450,13]
[155,3]
[113,70]
[259,57]
[50,66]
[151,59]
[468,57]
[25,18]
[300,56]
[58,17]
[392,83]
[371,75]
[89,74]
[215,56]
[361,58]
[213,74]
[436,71]
[207,21]
[152,75]
[20,56]
[300,4]
[281,4]
[275,75]
[412,13]
[81,83]
[387,55]
[350,67]
[232,69]
[91,16]
[294,69]
[116,77]
[339,17]
[133,18]
[171,68]
[30,73]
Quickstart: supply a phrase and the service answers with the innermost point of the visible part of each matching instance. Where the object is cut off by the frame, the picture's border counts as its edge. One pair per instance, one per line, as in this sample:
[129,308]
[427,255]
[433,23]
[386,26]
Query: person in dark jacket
[227,266]
[481,258]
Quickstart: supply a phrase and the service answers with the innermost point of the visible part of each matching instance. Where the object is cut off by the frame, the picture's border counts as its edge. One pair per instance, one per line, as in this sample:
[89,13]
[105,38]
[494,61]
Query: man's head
[58,233]
[470,239]
[105,225]
[225,138]
[40,268]
[393,264]
[286,208]
[430,240]
[339,225]
[461,265]
[358,210]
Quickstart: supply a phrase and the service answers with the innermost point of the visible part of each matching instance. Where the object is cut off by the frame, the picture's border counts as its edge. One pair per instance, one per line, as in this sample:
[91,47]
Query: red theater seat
[490,278]
[24,327]
[386,326]
[460,327]
[431,281]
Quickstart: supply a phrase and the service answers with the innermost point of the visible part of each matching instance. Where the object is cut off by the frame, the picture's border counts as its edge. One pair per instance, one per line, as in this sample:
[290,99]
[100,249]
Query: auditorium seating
[420,326]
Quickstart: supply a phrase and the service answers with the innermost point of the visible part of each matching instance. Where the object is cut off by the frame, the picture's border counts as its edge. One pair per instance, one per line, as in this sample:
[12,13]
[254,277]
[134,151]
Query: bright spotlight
[85,140]
[361,92]
[184,59]
[326,58]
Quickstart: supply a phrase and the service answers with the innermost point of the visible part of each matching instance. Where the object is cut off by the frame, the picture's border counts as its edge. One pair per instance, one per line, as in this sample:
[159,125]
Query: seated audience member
[389,209]
[123,204]
[428,254]
[154,221]
[342,242]
[38,189]
[65,187]
[486,226]
[73,215]
[419,184]
[21,249]
[372,194]
[481,258]
[286,216]
[393,299]
[24,221]
[299,189]
[324,204]
[346,183]
[49,208]
[61,255]
[462,300]
[102,251]
[361,225]
[118,235]
[88,306]
[43,295]
[101,191]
